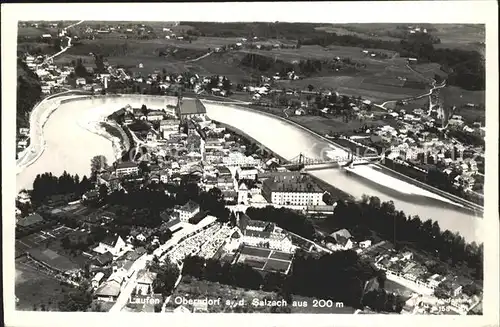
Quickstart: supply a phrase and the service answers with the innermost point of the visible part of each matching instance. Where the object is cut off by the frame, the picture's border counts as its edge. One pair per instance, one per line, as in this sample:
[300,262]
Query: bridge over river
[349,159]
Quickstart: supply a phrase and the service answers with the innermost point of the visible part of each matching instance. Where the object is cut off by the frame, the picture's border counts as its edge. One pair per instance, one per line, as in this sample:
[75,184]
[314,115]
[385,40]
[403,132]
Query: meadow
[455,96]
[36,290]
[35,32]
[381,79]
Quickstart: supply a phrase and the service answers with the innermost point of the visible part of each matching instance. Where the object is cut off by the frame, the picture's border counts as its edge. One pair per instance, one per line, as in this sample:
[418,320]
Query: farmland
[457,36]
[33,32]
[379,77]
[324,125]
[37,290]
[382,33]
[455,96]
[465,36]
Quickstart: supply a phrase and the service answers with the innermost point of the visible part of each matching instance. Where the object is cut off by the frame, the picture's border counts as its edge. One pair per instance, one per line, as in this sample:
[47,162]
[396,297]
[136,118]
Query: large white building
[188,211]
[292,188]
[127,168]
[168,127]
[247,172]
[239,159]
[117,247]
[266,234]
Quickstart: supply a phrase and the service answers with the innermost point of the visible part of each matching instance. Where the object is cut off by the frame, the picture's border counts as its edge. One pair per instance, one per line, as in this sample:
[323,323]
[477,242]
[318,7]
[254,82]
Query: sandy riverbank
[372,173]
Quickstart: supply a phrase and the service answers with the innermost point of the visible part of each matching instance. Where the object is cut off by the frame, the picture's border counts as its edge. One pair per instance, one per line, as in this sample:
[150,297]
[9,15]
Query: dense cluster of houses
[184,142]
[404,268]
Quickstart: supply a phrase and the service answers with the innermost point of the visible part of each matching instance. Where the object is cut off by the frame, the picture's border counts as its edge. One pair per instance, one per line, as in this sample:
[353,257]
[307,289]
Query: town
[194,206]
[428,143]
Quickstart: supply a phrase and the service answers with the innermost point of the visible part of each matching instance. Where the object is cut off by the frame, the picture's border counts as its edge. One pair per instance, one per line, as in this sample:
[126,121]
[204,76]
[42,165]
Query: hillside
[29,92]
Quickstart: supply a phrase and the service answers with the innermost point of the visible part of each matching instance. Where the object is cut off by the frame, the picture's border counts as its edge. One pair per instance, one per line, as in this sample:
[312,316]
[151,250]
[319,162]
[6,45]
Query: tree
[166,278]
[78,300]
[144,110]
[98,163]
[103,191]
[144,168]
[310,87]
[232,219]
[80,70]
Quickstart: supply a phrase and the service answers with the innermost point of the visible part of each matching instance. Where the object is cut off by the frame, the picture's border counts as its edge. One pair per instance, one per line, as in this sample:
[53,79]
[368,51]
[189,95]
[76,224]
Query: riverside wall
[467,204]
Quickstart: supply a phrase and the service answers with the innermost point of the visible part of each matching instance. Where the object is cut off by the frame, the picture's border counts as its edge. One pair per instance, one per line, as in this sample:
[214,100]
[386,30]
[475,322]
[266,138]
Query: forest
[372,215]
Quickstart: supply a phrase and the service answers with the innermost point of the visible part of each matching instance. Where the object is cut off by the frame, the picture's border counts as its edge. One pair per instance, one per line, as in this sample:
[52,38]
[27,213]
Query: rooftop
[32,219]
[145,277]
[191,106]
[190,206]
[109,288]
[292,183]
[126,164]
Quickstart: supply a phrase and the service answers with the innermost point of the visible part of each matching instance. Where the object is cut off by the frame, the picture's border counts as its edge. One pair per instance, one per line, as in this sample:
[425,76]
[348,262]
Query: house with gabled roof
[343,240]
[103,259]
[113,244]
[110,290]
[145,281]
[263,233]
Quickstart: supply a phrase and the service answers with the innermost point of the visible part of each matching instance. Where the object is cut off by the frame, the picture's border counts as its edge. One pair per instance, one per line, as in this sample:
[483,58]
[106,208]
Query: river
[69,146]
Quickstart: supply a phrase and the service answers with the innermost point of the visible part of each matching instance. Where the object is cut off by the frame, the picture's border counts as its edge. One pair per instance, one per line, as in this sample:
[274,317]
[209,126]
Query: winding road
[69,42]
[199,58]
[382,106]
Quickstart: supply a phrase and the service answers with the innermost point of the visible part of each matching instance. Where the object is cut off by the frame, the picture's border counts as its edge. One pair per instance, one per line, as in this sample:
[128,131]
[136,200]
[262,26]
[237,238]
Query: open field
[379,95]
[422,103]
[31,46]
[35,32]
[372,88]
[459,36]
[428,69]
[455,96]
[381,80]
[35,289]
[255,252]
[277,265]
[379,34]
[460,33]
[123,47]
[324,125]
[317,52]
[265,259]
[281,255]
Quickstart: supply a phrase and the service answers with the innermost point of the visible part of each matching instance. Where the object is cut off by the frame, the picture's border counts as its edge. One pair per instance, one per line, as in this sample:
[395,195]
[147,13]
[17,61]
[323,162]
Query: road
[382,106]
[124,296]
[69,42]
[142,262]
[199,58]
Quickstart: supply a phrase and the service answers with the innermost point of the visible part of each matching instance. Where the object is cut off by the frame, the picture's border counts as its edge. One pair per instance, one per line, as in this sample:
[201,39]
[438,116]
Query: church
[190,108]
